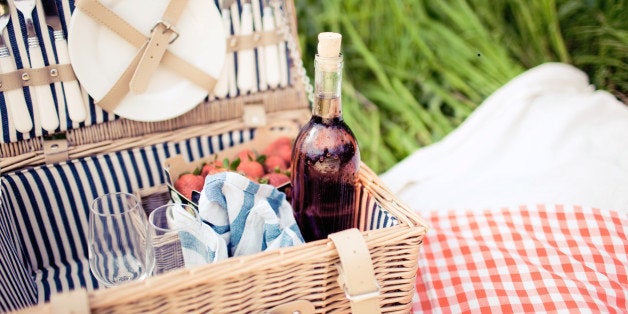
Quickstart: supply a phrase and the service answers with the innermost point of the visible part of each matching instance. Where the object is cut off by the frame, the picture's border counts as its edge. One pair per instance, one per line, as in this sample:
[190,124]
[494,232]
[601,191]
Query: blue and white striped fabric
[199,243]
[251,217]
[382,219]
[44,213]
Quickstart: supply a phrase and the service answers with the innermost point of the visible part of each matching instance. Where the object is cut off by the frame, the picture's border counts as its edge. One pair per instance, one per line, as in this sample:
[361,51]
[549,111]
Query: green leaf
[234,164]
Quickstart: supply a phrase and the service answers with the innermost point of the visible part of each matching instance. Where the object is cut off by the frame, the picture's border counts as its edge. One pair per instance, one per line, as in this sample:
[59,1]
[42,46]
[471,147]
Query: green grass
[415,69]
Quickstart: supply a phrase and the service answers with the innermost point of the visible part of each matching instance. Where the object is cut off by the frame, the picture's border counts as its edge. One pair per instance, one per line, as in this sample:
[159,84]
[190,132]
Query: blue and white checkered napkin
[250,217]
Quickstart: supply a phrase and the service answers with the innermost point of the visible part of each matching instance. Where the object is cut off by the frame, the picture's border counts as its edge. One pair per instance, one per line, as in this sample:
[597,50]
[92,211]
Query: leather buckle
[167,28]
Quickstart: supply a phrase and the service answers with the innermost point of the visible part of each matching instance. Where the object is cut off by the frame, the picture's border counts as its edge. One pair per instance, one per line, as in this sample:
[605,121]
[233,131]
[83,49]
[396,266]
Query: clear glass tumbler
[117,239]
[174,238]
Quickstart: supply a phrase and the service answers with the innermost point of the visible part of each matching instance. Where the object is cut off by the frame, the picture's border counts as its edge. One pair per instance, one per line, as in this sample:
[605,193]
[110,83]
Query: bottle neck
[328,77]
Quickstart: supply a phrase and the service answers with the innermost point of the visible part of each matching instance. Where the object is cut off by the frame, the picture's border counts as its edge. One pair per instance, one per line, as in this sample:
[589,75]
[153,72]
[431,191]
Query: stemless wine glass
[117,239]
[174,239]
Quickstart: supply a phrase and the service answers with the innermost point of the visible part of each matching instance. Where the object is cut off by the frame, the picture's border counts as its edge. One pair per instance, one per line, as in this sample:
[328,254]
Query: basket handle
[355,271]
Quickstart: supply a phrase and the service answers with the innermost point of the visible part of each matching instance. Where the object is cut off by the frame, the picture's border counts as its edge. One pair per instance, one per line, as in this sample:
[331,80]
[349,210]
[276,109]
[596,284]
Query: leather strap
[121,87]
[250,41]
[34,77]
[108,18]
[355,271]
[161,36]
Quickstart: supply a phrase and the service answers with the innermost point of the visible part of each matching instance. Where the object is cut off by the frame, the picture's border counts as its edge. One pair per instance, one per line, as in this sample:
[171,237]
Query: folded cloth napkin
[545,137]
[200,244]
[250,217]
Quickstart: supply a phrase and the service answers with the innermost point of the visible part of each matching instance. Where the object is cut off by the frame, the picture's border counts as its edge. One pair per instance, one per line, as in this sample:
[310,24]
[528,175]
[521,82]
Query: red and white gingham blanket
[526,259]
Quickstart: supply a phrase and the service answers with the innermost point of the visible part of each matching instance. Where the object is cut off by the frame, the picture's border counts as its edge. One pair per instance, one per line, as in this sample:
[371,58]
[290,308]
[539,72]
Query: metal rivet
[25,77]
[54,72]
[54,146]
[233,42]
[257,37]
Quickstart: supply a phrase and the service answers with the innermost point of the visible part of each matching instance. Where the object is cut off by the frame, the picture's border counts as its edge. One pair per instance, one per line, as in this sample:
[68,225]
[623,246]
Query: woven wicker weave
[258,282]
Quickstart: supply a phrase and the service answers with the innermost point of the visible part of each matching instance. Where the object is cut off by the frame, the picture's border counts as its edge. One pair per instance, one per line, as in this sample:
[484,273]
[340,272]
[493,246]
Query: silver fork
[43,94]
[14,99]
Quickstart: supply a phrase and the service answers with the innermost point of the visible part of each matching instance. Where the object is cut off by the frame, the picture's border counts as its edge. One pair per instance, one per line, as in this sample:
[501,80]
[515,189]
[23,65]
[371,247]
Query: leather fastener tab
[254,115]
[56,149]
[356,275]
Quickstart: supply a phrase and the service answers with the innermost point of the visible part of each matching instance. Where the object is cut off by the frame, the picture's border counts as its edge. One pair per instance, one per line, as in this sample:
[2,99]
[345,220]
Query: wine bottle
[325,157]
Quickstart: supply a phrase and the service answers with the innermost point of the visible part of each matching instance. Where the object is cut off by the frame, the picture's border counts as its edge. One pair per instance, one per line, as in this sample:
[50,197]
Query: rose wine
[325,159]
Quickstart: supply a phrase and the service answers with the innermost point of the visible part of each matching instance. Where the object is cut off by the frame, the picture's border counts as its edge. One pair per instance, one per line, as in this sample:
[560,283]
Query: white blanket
[545,137]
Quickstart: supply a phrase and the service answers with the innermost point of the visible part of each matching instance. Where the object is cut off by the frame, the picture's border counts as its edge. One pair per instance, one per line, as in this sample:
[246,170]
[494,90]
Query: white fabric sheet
[545,137]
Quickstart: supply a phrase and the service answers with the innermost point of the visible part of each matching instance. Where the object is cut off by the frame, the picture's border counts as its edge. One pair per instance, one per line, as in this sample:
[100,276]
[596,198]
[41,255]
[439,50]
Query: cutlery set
[34,108]
[252,70]
[45,113]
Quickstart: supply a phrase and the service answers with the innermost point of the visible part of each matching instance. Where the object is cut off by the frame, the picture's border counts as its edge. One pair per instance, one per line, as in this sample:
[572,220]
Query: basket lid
[101,126]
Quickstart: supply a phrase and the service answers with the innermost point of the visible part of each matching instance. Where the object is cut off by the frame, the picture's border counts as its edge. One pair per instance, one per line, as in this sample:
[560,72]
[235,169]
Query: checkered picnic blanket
[524,259]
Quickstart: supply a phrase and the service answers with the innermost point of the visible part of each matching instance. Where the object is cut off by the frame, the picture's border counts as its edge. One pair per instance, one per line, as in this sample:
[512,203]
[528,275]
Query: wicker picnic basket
[48,180]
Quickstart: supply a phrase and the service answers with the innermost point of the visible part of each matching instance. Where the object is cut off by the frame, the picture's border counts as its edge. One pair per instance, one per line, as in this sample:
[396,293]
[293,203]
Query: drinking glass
[174,238]
[117,239]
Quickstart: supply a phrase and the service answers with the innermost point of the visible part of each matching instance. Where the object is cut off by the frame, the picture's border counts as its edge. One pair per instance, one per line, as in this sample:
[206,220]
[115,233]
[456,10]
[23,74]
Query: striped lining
[381,218]
[16,287]
[52,238]
[372,216]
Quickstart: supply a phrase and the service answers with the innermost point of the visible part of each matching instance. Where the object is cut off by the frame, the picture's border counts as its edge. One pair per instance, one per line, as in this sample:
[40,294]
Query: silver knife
[72,90]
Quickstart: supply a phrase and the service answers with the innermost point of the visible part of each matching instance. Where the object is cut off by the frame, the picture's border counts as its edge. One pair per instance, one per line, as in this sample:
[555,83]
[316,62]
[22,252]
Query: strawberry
[246,155]
[251,169]
[274,162]
[189,182]
[273,146]
[275,179]
[209,169]
[285,152]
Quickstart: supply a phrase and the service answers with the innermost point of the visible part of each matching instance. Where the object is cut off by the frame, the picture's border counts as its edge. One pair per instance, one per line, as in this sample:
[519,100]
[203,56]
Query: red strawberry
[275,179]
[209,169]
[274,162]
[246,155]
[251,169]
[273,146]
[285,152]
[189,182]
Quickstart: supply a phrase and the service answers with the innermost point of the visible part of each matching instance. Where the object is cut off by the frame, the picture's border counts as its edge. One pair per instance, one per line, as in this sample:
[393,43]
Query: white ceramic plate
[99,56]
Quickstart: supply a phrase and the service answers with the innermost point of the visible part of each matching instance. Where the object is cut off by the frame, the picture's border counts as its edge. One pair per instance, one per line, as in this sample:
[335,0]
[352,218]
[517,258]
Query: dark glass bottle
[325,160]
